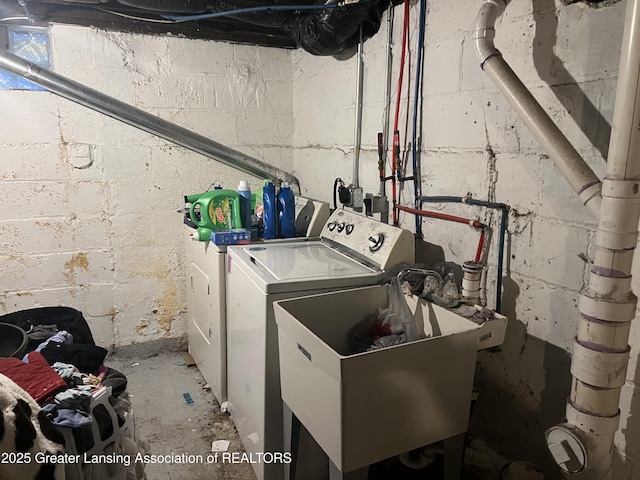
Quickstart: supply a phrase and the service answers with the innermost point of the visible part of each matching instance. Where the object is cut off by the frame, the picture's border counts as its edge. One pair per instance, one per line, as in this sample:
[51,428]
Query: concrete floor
[172,426]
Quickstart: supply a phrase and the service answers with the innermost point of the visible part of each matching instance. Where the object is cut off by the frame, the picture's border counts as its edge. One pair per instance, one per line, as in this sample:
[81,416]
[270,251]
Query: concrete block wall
[473,142]
[89,216]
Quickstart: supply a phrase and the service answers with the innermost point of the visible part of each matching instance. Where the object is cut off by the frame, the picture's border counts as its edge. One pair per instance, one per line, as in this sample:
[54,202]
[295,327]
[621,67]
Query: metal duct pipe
[579,175]
[583,446]
[135,117]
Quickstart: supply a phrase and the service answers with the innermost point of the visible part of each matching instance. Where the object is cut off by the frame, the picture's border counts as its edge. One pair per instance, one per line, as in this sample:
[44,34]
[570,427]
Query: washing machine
[353,250]
[206,293]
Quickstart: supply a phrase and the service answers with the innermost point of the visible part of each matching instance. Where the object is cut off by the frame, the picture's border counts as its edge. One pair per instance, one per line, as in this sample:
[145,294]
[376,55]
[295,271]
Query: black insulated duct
[336,31]
[321,27]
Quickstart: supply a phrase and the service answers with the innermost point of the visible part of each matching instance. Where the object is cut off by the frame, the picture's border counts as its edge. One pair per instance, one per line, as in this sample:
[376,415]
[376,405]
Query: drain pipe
[579,175]
[135,117]
[582,447]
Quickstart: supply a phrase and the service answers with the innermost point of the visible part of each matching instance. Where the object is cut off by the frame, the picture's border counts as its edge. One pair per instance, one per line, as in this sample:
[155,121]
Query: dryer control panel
[376,243]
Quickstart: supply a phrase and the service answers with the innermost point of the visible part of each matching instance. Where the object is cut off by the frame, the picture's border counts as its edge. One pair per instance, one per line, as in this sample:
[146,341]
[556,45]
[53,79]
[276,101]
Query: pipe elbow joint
[484,31]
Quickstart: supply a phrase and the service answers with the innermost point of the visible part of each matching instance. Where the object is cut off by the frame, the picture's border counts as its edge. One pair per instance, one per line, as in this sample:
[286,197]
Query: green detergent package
[216,210]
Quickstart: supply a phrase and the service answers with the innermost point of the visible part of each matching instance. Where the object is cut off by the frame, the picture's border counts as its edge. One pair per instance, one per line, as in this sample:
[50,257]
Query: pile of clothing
[61,372]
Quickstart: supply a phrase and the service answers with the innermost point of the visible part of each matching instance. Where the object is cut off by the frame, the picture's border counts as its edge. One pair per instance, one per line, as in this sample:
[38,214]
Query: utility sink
[363,408]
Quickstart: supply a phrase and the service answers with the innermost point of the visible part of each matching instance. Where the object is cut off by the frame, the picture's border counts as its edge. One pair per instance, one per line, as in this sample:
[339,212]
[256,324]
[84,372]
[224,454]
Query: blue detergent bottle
[287,211]
[244,192]
[270,212]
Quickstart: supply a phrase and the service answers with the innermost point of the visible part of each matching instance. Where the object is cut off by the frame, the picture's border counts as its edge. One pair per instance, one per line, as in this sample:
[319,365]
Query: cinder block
[70,43]
[265,128]
[21,273]
[199,56]
[589,40]
[454,173]
[187,91]
[99,301]
[27,118]
[442,67]
[548,250]
[102,330]
[81,268]
[19,163]
[453,122]
[275,64]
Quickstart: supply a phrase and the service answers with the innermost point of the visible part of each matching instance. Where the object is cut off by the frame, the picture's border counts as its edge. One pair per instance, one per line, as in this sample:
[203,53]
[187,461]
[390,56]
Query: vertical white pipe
[607,305]
[583,446]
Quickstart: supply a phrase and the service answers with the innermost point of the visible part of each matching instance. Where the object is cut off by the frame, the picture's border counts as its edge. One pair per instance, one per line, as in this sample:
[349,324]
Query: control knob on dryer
[375,241]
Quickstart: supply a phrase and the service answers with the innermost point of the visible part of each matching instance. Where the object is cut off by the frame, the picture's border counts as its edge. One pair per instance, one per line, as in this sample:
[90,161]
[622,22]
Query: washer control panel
[377,243]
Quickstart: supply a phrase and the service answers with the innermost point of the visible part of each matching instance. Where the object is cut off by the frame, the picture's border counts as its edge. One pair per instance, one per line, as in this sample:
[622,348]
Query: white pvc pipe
[582,447]
[579,175]
[607,305]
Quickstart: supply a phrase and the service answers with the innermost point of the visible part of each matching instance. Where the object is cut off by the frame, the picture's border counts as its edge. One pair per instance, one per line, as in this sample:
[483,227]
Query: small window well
[30,43]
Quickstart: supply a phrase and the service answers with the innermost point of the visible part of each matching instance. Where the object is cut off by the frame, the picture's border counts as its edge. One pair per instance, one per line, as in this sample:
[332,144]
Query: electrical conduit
[579,175]
[395,157]
[383,138]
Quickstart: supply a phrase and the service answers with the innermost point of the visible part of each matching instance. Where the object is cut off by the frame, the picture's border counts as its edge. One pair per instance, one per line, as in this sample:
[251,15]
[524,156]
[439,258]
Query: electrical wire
[264,8]
[133,17]
[335,188]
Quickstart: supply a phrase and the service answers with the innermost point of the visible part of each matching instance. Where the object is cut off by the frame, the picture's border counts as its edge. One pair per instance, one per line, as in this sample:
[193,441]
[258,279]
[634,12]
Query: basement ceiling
[328,27]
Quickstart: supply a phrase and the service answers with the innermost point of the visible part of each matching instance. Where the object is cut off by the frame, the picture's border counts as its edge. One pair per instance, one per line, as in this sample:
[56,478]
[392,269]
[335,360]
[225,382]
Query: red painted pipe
[480,246]
[443,216]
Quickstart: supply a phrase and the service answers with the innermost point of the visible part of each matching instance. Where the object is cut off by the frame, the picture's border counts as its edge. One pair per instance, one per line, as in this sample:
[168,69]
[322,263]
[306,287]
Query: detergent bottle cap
[284,185]
[243,185]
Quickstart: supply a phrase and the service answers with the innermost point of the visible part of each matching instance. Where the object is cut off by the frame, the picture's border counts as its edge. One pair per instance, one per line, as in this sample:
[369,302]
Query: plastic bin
[367,407]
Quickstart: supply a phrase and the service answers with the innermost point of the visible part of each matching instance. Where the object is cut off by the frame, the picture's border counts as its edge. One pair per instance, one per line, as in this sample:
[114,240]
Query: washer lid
[304,261]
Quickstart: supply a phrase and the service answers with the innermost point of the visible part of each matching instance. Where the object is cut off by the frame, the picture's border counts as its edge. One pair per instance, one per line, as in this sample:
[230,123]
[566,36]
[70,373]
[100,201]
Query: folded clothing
[36,377]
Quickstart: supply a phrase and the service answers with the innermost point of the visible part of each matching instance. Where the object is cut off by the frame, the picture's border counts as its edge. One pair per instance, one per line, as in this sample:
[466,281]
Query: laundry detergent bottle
[286,211]
[270,211]
[244,193]
[215,210]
